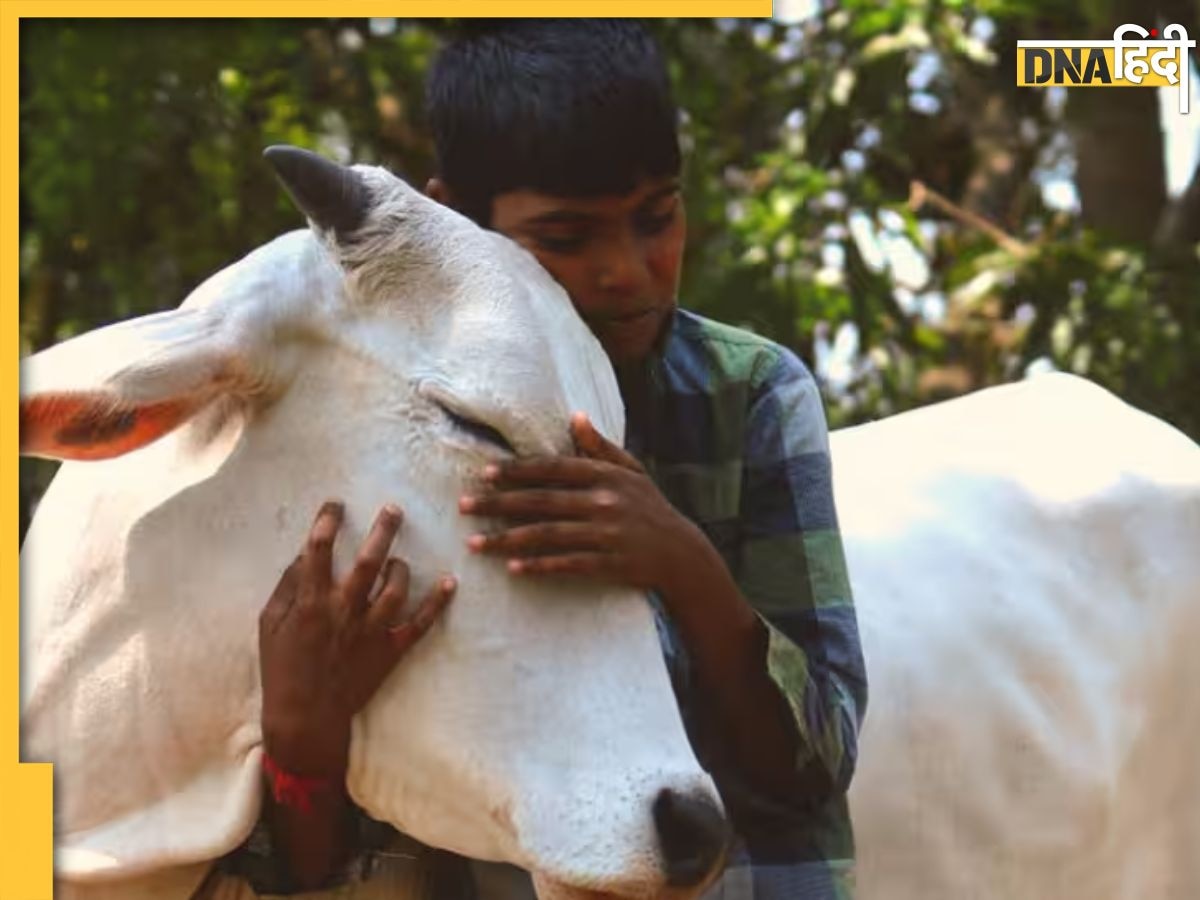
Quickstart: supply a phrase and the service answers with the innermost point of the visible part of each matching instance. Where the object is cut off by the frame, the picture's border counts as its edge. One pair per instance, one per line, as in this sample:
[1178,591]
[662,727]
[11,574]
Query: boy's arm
[793,572]
[773,635]
[267,858]
[325,645]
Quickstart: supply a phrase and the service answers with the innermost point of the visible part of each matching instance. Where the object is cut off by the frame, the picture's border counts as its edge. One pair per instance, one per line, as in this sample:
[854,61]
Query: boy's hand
[325,646]
[597,514]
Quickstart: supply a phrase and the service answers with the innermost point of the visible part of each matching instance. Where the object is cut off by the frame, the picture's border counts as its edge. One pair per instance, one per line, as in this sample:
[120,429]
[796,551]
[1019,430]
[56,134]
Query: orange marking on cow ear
[89,426]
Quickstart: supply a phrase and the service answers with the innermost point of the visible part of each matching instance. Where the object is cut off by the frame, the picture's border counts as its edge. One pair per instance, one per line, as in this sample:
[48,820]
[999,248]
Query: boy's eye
[654,222]
[560,243]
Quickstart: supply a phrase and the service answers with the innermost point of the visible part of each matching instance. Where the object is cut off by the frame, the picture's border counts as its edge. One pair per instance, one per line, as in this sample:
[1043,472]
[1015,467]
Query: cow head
[386,354]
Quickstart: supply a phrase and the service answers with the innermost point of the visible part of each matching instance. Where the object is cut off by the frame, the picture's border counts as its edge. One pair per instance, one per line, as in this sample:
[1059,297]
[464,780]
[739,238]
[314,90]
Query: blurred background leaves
[865,183]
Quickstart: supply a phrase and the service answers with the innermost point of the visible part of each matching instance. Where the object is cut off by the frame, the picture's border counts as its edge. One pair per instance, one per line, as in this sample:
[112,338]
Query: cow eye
[478,430]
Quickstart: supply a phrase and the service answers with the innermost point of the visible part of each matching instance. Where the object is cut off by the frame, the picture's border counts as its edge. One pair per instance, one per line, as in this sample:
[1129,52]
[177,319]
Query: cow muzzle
[692,842]
[694,837]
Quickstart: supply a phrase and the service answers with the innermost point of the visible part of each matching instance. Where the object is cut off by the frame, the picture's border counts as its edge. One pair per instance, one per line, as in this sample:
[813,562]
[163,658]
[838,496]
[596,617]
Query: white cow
[1026,564]
[386,357]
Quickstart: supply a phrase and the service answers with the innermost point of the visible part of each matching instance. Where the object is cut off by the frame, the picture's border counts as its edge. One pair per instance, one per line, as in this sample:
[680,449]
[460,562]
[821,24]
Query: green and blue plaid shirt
[731,428]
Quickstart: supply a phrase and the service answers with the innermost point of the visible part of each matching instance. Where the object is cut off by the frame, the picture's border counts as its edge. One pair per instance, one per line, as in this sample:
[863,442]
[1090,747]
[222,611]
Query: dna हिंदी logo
[1120,62]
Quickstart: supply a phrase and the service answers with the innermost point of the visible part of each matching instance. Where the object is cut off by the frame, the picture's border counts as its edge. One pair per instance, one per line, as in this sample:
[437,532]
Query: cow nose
[693,834]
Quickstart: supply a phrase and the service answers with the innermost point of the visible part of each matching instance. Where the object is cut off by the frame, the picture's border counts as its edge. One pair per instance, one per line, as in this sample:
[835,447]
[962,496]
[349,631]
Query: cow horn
[331,195]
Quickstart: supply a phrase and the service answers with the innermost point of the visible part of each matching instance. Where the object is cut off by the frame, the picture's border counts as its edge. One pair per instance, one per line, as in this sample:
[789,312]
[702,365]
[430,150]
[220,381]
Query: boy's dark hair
[572,107]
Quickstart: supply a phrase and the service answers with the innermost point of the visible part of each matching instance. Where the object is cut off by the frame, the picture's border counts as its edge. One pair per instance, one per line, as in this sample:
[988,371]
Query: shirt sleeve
[383,857]
[791,568]
[261,864]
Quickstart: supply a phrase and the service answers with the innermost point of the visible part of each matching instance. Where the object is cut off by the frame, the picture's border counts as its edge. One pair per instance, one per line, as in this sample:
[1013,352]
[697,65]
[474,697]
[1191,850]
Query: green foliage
[141,144]
[803,174]
[141,175]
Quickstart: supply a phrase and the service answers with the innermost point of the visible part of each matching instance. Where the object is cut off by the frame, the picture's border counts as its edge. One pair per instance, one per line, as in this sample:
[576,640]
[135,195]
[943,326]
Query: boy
[562,135]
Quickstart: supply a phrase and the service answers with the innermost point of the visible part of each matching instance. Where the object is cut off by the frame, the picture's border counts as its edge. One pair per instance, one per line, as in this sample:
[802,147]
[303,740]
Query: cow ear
[113,390]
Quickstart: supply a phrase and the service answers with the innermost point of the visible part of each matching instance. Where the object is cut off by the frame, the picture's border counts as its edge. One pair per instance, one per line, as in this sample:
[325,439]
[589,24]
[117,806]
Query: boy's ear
[437,190]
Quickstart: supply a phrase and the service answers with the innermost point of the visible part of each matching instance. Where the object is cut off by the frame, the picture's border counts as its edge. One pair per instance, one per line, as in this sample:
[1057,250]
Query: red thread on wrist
[291,790]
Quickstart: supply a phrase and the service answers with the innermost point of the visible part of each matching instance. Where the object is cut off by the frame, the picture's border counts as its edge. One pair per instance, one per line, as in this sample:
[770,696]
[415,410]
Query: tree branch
[920,194]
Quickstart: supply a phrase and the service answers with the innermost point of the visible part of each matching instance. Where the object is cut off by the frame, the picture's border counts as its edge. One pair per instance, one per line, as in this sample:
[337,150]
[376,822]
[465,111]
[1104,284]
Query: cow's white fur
[534,725]
[1026,564]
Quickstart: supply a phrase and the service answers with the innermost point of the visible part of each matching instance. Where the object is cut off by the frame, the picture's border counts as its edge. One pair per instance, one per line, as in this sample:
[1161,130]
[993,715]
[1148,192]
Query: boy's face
[617,256]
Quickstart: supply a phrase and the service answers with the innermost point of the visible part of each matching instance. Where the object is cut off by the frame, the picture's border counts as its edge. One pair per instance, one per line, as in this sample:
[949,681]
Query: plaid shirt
[731,428]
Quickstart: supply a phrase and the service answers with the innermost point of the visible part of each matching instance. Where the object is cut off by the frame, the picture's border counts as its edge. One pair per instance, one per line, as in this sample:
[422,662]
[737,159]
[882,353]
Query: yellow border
[299,9]
[26,791]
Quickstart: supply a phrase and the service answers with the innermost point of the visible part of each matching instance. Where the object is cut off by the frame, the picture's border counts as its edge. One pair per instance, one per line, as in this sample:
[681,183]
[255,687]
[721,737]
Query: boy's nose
[622,270]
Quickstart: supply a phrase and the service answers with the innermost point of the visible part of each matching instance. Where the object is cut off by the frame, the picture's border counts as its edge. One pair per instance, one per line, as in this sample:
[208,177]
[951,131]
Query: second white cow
[1026,567]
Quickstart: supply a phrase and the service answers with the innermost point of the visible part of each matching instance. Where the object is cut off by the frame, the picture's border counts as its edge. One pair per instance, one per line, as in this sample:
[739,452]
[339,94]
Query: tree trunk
[1119,151]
